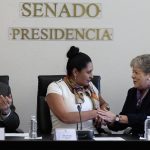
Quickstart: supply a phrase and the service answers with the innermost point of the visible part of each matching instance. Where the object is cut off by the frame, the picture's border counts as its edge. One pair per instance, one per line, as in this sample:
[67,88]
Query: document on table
[17,134]
[108,139]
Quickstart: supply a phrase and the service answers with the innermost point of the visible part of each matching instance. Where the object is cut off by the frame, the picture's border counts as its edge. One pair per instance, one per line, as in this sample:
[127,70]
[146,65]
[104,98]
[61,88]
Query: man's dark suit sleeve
[12,122]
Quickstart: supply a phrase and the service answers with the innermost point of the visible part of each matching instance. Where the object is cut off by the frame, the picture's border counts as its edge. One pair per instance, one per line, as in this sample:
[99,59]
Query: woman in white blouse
[75,89]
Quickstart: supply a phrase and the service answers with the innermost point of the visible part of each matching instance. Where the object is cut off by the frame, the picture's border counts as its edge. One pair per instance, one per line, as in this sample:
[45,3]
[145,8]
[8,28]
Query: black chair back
[4,79]
[43,115]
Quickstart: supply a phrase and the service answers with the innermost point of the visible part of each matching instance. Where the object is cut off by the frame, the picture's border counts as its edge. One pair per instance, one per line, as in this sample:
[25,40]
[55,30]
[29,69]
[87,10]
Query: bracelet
[107,107]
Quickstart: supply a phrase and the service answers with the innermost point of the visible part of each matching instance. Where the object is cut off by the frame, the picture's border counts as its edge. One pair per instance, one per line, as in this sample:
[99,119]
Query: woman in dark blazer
[137,105]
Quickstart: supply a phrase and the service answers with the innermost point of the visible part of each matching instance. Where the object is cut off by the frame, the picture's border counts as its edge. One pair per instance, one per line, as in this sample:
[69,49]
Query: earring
[75,78]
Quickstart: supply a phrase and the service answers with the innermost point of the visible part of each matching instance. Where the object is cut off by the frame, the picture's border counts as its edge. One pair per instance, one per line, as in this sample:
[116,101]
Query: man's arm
[11,122]
[8,117]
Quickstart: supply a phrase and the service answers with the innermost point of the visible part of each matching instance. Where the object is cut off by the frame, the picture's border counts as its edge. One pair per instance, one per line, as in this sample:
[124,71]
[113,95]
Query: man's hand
[5,103]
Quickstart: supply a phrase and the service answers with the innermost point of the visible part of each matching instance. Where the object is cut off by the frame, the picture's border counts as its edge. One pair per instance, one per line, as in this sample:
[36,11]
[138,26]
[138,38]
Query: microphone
[83,134]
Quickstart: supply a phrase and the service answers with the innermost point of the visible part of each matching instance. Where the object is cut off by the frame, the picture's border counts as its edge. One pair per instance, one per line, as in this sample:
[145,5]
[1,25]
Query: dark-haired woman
[75,89]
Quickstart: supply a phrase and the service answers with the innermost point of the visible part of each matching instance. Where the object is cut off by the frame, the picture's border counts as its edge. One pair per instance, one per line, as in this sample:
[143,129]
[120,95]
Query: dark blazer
[12,122]
[136,117]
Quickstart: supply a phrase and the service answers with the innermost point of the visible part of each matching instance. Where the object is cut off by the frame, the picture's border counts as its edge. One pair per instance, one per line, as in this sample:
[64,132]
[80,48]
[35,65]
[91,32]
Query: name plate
[2,134]
[63,134]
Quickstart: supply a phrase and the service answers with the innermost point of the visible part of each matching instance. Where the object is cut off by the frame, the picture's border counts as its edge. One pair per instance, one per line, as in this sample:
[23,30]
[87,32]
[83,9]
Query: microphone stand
[83,134]
[79,109]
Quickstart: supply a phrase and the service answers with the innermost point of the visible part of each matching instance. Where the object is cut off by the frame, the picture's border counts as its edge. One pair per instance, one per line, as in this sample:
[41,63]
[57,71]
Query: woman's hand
[98,120]
[107,116]
[5,103]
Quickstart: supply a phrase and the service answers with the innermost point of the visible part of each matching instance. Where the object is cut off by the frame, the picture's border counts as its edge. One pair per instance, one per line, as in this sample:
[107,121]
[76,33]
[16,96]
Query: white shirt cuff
[3,117]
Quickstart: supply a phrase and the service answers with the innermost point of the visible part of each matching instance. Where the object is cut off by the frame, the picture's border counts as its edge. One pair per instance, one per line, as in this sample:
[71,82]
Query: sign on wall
[60,10]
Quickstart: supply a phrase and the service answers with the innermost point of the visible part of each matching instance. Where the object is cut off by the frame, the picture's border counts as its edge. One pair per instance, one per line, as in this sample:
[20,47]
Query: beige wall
[23,61]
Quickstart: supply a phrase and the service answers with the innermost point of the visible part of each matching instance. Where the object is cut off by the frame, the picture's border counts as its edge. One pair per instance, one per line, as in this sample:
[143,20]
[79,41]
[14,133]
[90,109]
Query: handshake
[104,116]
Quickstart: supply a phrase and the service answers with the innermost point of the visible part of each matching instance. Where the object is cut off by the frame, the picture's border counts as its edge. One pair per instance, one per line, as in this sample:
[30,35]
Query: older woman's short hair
[142,62]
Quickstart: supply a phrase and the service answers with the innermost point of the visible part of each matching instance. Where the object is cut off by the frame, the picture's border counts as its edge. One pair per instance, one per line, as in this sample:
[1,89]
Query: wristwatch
[117,119]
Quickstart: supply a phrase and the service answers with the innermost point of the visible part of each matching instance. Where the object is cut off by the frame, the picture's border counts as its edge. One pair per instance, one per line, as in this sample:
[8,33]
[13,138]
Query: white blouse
[61,88]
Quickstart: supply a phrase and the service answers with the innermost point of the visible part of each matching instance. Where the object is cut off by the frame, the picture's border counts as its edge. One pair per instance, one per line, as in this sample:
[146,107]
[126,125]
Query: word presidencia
[60,34]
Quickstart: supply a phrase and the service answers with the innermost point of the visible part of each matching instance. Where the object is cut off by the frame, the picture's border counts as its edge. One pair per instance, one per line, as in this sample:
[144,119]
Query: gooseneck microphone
[79,109]
[83,134]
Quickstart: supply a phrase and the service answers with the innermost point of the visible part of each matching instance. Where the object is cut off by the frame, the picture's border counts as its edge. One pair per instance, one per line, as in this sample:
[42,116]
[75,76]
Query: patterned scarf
[79,92]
